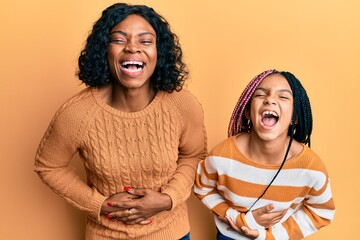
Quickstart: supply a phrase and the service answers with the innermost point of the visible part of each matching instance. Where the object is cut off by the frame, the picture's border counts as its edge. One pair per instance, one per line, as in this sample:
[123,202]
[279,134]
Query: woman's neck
[130,100]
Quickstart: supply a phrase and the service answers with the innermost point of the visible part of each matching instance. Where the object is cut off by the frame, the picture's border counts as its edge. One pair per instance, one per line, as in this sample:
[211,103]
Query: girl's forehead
[274,81]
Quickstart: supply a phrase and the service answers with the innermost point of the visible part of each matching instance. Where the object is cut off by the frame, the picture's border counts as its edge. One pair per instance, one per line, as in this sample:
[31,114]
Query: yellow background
[225,44]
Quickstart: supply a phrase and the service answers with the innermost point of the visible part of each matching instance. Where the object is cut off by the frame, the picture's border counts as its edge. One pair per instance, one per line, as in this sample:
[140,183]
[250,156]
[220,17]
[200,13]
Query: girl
[264,182]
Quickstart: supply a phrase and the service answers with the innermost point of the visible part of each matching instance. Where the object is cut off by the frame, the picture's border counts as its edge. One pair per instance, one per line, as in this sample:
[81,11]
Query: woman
[138,133]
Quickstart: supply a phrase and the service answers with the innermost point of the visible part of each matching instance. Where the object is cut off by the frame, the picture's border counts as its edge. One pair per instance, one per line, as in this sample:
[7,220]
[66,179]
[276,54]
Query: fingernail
[127,188]
[108,216]
[110,204]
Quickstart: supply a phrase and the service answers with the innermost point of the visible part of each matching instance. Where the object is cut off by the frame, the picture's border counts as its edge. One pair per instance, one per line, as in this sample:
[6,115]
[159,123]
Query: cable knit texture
[229,183]
[158,148]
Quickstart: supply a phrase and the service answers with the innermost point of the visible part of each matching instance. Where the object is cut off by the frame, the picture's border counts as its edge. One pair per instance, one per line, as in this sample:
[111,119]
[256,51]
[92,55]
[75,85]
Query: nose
[132,47]
[269,100]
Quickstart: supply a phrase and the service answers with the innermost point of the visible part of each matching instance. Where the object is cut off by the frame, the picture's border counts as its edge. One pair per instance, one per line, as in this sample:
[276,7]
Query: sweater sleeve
[192,148]
[57,147]
[317,211]
[205,188]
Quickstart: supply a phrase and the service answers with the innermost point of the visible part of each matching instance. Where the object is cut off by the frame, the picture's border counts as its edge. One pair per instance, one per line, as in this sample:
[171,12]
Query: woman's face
[271,107]
[132,52]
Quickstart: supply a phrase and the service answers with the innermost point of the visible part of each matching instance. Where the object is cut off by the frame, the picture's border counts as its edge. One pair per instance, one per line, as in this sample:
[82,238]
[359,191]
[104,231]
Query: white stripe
[304,222]
[207,181]
[203,178]
[287,177]
[202,190]
[212,200]
[248,201]
[323,198]
[280,232]
[324,213]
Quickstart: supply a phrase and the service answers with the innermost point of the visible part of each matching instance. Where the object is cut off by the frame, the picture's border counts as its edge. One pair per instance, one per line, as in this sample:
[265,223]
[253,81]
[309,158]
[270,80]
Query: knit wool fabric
[156,148]
[228,183]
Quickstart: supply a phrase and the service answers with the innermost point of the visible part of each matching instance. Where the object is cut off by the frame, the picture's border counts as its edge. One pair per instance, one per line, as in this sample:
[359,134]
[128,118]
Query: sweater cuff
[250,220]
[232,214]
[172,195]
[97,202]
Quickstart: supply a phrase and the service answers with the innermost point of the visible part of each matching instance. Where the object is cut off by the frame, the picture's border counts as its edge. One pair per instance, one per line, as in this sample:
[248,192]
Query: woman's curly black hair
[170,72]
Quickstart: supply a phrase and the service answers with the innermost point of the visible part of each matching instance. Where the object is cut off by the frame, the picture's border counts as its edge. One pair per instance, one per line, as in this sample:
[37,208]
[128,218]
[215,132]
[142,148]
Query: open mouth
[269,118]
[133,66]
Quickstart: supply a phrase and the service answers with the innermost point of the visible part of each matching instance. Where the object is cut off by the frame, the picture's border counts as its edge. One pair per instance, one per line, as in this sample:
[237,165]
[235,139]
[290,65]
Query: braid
[238,121]
[302,120]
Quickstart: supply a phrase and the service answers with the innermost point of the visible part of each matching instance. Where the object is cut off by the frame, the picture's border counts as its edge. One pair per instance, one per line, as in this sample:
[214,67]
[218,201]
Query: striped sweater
[228,183]
[156,148]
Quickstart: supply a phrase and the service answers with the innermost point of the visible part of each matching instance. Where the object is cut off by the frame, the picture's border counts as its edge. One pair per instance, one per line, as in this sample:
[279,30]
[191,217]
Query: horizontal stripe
[212,200]
[324,213]
[276,193]
[241,200]
[203,190]
[289,177]
[323,198]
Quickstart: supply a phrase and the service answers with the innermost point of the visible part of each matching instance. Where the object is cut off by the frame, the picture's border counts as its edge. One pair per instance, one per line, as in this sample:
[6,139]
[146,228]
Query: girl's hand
[264,217]
[245,231]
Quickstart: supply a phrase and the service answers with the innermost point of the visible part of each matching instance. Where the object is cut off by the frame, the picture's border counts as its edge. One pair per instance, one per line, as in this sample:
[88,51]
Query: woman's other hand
[140,206]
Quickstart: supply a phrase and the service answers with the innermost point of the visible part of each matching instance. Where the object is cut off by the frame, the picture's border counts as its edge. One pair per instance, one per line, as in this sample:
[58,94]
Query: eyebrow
[124,33]
[281,90]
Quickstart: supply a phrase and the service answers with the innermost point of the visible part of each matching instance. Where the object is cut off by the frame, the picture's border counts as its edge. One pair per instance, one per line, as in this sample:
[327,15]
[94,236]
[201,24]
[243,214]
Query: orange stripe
[328,205]
[315,219]
[269,235]
[275,193]
[221,209]
[212,176]
[240,221]
[292,229]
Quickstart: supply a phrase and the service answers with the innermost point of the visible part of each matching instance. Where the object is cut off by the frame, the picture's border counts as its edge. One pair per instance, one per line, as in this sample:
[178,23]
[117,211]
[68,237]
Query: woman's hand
[107,206]
[264,217]
[143,204]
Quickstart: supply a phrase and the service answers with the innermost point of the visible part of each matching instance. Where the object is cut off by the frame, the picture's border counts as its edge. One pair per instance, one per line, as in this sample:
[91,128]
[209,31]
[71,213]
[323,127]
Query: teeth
[133,63]
[133,70]
[269,113]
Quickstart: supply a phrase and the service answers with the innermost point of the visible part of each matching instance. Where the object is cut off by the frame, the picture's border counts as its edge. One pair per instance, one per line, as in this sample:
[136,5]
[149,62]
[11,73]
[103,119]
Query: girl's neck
[266,152]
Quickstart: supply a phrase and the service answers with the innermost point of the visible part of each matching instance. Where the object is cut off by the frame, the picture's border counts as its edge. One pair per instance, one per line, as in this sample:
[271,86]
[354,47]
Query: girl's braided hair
[301,123]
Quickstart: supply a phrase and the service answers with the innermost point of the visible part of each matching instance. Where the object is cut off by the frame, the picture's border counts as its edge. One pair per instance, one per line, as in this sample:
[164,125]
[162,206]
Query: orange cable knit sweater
[158,148]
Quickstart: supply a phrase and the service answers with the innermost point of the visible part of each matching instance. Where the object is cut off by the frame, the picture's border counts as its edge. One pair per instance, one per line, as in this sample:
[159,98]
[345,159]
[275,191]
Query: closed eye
[284,97]
[146,42]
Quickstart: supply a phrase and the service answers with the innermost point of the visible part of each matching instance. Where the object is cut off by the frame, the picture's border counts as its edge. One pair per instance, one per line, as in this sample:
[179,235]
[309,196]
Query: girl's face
[271,108]
[132,52]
